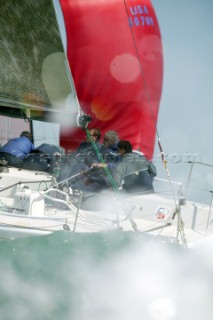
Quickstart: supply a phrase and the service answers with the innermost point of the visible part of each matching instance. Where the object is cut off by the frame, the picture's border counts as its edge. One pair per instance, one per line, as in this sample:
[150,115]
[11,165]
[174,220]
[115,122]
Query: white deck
[30,208]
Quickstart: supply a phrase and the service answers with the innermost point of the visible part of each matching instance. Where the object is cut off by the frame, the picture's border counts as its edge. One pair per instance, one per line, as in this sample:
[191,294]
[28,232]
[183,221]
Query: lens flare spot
[125,68]
[102,110]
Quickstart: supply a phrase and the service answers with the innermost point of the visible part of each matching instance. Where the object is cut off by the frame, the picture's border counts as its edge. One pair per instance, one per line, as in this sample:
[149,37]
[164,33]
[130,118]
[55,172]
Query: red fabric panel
[114,50]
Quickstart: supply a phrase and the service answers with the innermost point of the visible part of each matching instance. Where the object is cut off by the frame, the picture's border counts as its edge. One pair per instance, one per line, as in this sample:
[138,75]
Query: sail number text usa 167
[139,16]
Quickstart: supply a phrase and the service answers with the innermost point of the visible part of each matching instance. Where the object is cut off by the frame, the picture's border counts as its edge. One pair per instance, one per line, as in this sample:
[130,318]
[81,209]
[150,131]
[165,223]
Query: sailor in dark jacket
[109,159]
[109,148]
[79,164]
[86,152]
[132,172]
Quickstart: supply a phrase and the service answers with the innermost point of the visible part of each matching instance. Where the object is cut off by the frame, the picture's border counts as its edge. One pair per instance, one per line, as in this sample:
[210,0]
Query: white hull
[30,205]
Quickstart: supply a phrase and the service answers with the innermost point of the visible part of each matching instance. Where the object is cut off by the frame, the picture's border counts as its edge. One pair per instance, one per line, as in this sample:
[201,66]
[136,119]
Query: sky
[186,114]
[185,117]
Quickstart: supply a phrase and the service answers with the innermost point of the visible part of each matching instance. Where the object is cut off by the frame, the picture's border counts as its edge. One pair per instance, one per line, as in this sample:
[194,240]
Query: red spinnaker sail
[115,54]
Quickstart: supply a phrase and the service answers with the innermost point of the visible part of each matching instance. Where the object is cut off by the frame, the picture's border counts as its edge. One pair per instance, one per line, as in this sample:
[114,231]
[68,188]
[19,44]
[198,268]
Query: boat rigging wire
[164,161]
[100,158]
[148,99]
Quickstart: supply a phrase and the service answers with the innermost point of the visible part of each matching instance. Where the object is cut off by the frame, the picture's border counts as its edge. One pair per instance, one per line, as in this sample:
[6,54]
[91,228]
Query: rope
[100,158]
[152,115]
[148,99]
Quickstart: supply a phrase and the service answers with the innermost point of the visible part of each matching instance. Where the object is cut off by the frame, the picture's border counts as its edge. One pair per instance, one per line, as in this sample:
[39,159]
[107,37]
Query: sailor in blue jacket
[15,150]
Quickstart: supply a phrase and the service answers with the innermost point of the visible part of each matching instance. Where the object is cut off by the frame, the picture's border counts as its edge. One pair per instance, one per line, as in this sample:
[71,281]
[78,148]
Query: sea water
[104,276]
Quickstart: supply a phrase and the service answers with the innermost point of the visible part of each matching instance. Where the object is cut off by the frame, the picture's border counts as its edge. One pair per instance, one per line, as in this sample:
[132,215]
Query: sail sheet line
[150,106]
[111,179]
